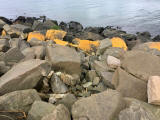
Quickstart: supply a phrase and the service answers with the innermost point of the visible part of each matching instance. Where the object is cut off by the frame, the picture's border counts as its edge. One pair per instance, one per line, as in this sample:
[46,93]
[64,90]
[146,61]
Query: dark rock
[22,28]
[57,85]
[144,36]
[97,30]
[6,20]
[40,109]
[65,60]
[102,106]
[4,45]
[156,38]
[12,56]
[63,26]
[18,100]
[129,85]
[69,37]
[75,26]
[20,20]
[24,75]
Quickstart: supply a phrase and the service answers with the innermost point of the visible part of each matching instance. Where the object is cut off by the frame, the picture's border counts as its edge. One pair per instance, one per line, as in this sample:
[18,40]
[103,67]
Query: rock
[57,85]
[91,74]
[22,28]
[129,85]
[156,38]
[63,26]
[6,20]
[102,106]
[18,100]
[113,62]
[144,36]
[36,35]
[12,56]
[89,36]
[96,81]
[139,110]
[106,77]
[29,53]
[153,90]
[100,66]
[24,75]
[65,60]
[88,84]
[75,27]
[3,68]
[36,42]
[104,44]
[141,64]
[39,52]
[68,100]
[55,34]
[4,45]
[40,109]
[19,43]
[97,30]
[60,113]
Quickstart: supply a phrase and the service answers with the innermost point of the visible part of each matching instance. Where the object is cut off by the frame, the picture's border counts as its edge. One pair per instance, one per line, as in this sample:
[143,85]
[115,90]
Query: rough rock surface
[102,106]
[19,100]
[24,75]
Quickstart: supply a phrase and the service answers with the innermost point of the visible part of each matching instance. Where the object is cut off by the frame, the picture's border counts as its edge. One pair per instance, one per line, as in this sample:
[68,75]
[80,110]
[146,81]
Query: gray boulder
[39,52]
[64,59]
[24,75]
[40,109]
[18,100]
[29,53]
[129,85]
[3,68]
[36,42]
[102,106]
[60,113]
[12,56]
[141,64]
[4,45]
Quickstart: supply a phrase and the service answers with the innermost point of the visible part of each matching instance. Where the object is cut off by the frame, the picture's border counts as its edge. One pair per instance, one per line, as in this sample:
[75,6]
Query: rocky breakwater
[51,71]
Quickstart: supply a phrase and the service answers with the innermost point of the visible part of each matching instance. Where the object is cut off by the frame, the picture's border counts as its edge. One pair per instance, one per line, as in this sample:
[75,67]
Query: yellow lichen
[60,42]
[155,45]
[36,35]
[55,34]
[4,33]
[86,45]
[118,42]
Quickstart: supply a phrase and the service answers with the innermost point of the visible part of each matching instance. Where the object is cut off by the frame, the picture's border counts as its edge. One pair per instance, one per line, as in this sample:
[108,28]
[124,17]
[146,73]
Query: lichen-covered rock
[55,34]
[36,35]
[24,75]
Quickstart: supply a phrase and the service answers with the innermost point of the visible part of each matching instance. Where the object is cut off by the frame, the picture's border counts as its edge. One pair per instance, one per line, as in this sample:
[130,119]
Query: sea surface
[131,15]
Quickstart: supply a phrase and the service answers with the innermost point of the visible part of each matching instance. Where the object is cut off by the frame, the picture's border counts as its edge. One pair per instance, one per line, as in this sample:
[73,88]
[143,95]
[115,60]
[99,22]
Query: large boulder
[3,68]
[60,113]
[64,59]
[40,109]
[141,64]
[19,100]
[4,45]
[24,75]
[138,110]
[153,90]
[102,106]
[129,85]
[75,26]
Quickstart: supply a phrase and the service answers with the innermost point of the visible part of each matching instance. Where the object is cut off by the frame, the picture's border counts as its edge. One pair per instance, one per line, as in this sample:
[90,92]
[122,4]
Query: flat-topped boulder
[24,75]
[64,58]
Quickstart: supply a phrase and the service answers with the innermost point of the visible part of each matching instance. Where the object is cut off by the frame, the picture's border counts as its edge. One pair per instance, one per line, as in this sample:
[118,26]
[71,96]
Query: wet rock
[18,100]
[153,89]
[97,30]
[4,45]
[57,85]
[60,113]
[12,56]
[19,43]
[3,68]
[104,44]
[105,105]
[40,109]
[24,75]
[107,78]
[141,64]
[75,26]
[65,60]
[139,110]
[113,62]
[36,42]
[129,85]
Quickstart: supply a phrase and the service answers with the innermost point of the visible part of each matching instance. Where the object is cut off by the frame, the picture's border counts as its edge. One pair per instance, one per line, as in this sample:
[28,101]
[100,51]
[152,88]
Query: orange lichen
[118,42]
[4,33]
[60,42]
[36,35]
[155,45]
[55,34]
[86,45]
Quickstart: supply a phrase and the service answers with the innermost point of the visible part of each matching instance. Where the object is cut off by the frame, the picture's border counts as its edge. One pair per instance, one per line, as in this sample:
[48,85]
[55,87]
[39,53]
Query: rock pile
[67,72]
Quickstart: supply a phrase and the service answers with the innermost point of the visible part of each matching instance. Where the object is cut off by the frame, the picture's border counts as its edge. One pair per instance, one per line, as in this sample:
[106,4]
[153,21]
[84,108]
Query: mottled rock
[129,85]
[18,100]
[24,75]
[153,90]
[40,109]
[102,106]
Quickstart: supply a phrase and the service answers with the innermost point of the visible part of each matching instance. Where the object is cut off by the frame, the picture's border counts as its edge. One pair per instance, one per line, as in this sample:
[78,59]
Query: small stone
[96,81]
[86,85]
[113,62]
